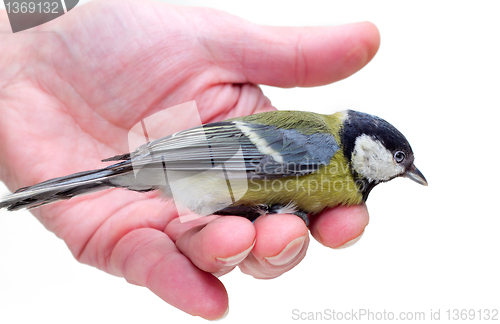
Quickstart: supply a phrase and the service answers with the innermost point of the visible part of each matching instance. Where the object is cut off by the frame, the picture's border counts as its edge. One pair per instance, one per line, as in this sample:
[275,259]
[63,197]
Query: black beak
[414,174]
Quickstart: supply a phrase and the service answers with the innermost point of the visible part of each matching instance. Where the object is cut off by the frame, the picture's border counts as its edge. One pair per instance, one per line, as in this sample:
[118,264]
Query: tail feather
[63,188]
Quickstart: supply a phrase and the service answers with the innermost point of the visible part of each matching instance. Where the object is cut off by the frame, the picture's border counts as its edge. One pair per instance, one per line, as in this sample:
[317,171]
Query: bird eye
[399,156]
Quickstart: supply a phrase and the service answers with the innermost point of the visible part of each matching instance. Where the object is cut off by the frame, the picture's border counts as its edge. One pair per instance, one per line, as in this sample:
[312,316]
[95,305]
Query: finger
[220,245]
[341,226]
[281,243]
[147,257]
[293,56]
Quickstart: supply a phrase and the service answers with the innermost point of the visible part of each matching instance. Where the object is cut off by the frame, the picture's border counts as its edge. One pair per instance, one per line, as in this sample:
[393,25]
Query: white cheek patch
[373,161]
[261,144]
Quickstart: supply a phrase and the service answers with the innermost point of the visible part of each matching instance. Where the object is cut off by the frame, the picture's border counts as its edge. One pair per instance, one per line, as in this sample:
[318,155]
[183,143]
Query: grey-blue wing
[261,151]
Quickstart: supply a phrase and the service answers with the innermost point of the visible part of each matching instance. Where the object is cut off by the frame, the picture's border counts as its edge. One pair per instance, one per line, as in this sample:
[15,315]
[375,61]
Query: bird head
[377,151]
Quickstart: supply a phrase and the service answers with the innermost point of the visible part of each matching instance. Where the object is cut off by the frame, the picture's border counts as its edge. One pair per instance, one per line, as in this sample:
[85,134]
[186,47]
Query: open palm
[71,91]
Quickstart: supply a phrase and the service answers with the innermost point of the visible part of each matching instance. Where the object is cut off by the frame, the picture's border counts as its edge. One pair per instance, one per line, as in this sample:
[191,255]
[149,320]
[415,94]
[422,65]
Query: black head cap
[359,123]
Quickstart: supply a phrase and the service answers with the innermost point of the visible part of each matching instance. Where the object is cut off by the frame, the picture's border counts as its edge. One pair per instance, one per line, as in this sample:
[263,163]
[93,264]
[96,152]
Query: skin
[68,98]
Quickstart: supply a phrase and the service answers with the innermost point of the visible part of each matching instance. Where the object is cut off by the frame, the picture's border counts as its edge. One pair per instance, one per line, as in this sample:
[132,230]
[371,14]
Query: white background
[436,78]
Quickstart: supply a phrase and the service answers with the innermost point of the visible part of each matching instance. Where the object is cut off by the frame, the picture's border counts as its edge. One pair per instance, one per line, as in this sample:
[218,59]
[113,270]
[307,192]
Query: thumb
[296,56]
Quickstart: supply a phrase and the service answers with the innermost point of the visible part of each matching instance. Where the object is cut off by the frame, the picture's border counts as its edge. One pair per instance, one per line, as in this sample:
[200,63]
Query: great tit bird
[271,162]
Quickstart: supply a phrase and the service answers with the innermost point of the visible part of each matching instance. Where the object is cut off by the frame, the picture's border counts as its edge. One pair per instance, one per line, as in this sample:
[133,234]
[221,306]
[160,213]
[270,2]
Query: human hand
[70,97]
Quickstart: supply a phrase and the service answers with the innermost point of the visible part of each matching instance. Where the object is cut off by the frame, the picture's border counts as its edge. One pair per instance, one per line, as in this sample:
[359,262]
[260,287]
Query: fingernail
[289,253]
[235,259]
[223,315]
[350,243]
